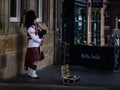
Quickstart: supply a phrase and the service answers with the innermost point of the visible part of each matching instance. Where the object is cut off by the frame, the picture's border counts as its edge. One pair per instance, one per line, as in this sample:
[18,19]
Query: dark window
[13,8]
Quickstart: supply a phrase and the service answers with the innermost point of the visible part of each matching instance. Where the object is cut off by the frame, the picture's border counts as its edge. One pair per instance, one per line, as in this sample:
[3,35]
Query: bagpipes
[41,33]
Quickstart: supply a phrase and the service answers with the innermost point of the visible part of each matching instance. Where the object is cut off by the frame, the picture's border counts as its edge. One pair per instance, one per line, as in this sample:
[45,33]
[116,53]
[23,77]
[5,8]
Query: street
[50,78]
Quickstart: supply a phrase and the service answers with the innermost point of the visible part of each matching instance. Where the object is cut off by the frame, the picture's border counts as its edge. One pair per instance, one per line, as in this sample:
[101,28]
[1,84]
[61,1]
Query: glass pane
[37,9]
[95,38]
[13,8]
[80,33]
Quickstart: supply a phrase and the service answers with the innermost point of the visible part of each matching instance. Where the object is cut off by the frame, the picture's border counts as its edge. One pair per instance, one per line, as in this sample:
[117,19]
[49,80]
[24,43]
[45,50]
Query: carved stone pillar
[89,22]
[102,24]
[4,16]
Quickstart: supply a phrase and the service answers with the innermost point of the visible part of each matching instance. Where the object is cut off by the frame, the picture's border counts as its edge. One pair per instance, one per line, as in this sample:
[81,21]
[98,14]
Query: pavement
[50,79]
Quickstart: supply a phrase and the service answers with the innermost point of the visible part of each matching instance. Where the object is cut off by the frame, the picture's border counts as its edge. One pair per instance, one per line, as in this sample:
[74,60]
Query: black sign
[92,56]
[97,3]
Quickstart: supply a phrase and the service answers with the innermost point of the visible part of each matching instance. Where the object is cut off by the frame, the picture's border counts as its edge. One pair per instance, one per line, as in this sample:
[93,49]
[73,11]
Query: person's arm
[31,32]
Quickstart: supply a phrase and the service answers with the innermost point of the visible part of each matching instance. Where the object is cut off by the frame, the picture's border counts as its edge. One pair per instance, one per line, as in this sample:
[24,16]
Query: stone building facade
[13,37]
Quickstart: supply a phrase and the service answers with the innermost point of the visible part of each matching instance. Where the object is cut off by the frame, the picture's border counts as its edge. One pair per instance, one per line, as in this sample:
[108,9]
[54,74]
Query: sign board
[92,56]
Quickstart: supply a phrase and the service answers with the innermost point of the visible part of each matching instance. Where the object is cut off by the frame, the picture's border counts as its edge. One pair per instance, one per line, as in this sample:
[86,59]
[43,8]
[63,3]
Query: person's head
[30,18]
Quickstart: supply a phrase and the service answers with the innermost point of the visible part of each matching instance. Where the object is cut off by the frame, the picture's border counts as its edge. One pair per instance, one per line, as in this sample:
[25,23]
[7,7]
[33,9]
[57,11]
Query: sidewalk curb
[7,86]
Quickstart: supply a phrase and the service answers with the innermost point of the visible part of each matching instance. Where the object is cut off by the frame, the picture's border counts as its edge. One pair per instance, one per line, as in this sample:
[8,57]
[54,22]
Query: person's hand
[44,37]
[41,41]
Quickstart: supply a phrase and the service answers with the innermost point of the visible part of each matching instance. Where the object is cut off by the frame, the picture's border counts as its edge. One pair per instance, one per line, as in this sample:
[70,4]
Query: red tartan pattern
[32,55]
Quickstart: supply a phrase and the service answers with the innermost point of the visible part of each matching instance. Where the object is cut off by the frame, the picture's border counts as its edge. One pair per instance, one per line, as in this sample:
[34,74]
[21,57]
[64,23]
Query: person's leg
[34,62]
[32,70]
[118,55]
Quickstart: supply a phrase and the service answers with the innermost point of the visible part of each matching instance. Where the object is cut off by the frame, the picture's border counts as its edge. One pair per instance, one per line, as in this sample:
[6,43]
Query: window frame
[17,18]
[39,18]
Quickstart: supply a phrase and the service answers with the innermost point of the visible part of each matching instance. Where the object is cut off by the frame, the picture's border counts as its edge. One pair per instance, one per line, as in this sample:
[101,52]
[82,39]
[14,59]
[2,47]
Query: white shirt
[35,41]
[117,42]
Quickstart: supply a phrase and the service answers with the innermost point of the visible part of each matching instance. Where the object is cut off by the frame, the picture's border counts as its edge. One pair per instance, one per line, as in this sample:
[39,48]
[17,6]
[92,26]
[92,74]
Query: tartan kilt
[32,55]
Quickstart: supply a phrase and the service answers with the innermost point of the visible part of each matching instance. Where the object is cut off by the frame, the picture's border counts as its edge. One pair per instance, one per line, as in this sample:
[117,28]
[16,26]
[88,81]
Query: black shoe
[34,77]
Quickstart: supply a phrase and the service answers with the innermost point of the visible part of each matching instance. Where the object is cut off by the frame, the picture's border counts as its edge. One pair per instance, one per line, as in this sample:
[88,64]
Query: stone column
[102,23]
[89,22]
[116,23]
[4,16]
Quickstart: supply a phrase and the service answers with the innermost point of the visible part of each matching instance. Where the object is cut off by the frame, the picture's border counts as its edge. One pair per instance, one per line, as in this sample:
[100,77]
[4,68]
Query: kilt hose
[32,55]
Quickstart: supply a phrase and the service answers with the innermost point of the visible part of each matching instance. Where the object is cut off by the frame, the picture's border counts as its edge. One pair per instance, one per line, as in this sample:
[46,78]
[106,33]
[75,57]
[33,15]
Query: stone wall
[13,42]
